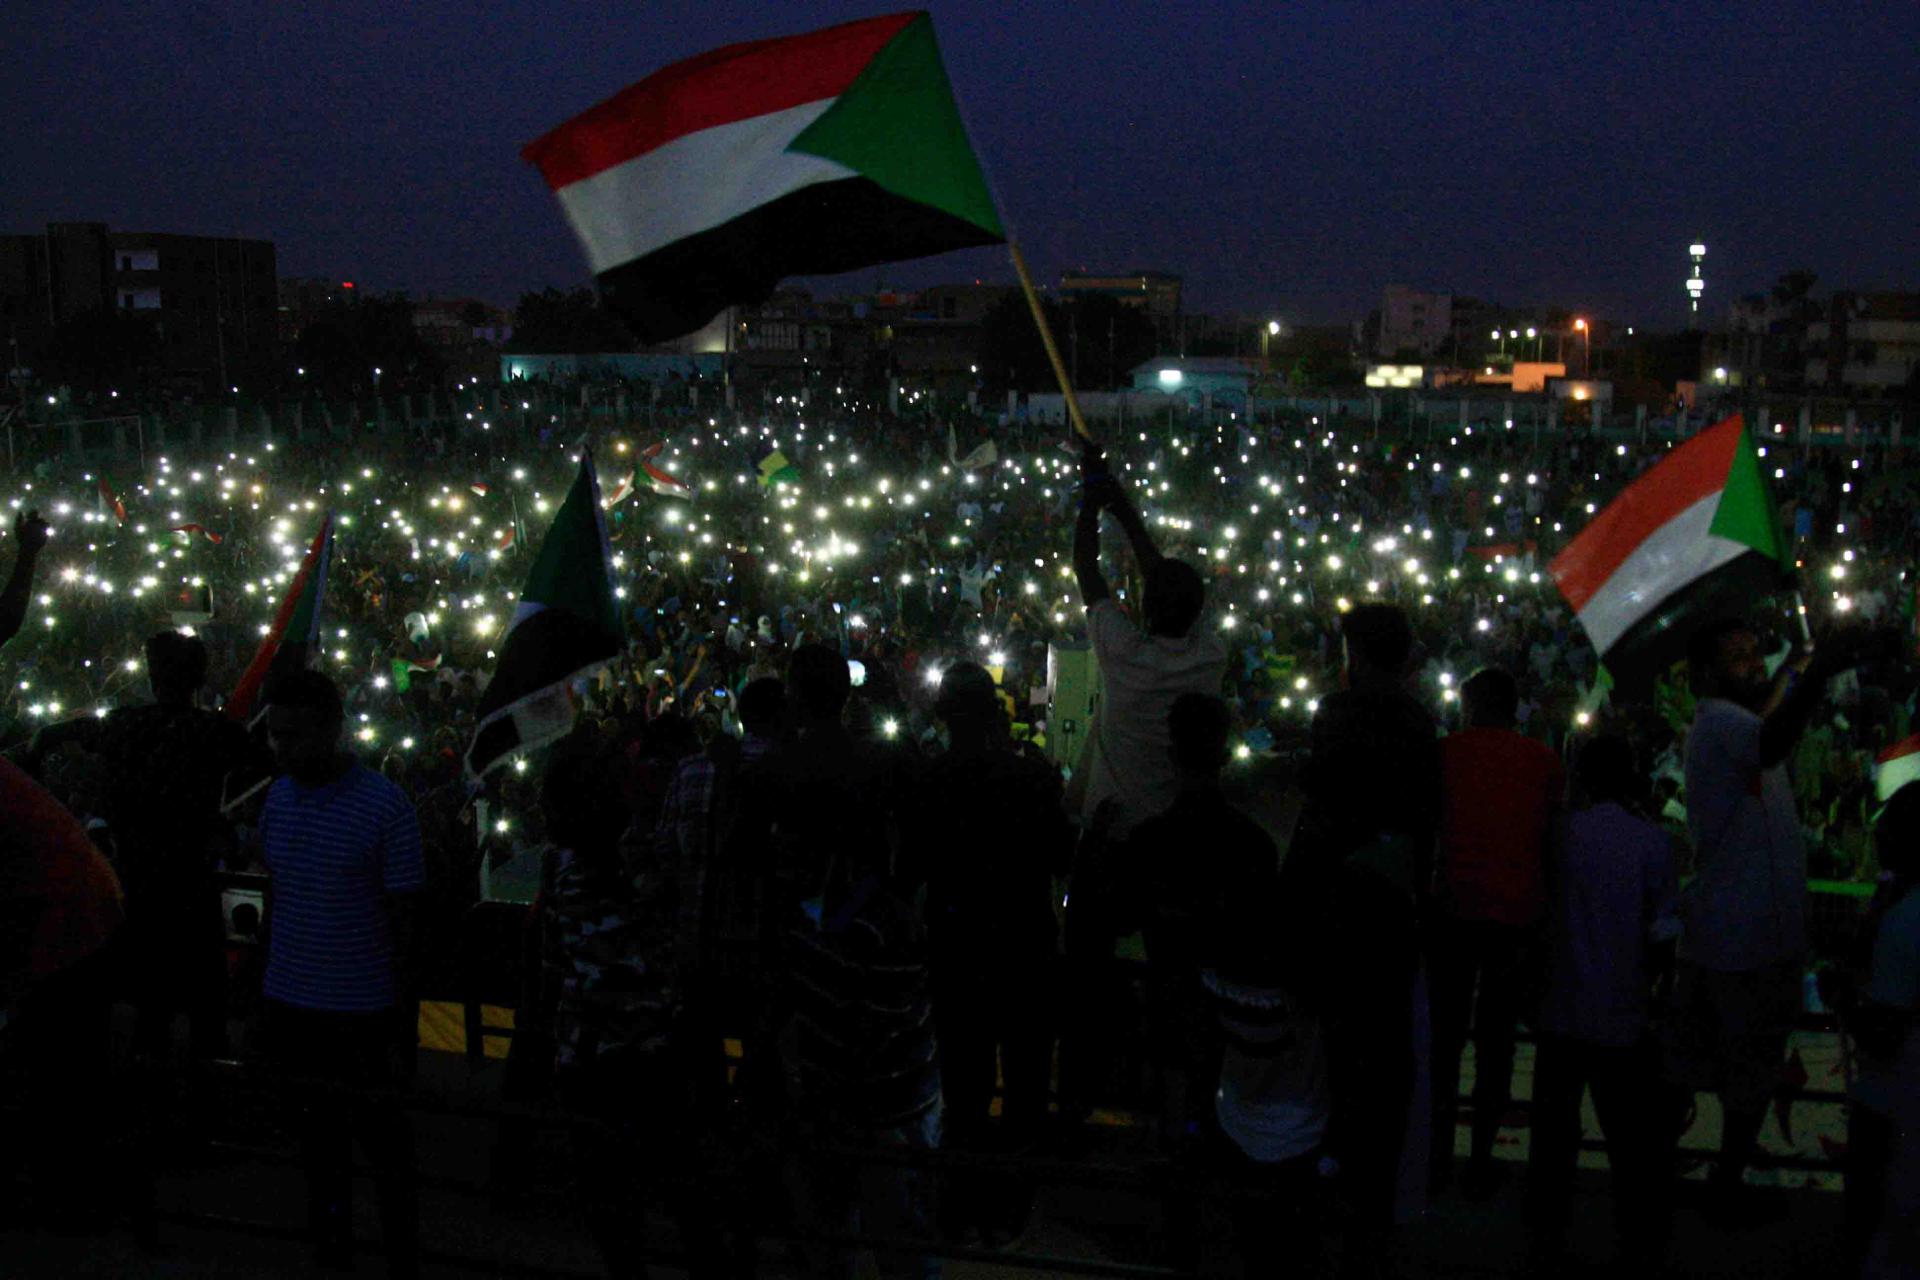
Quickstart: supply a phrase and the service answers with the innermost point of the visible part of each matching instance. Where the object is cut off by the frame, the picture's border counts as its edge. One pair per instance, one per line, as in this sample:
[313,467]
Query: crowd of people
[816,809]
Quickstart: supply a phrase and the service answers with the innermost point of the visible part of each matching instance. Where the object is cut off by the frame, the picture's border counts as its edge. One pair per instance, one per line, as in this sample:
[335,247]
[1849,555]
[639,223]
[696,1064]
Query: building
[1413,321]
[212,301]
[1155,292]
[47,279]
[466,333]
[1867,342]
[1225,381]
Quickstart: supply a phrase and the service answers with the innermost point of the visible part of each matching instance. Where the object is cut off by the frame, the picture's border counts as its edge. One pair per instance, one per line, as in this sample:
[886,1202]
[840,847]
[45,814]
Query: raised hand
[30,532]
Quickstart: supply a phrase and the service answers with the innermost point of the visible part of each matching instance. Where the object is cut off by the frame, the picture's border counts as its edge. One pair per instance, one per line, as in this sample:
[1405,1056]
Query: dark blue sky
[1291,159]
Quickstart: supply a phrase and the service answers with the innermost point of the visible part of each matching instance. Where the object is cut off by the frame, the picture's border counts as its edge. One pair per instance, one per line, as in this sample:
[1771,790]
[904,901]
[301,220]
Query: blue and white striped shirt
[334,853]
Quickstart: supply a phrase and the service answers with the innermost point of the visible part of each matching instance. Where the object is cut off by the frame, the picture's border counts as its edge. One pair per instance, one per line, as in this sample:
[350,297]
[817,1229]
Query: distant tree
[553,322]
[1012,356]
[1318,367]
[348,339]
[1110,340]
[1667,358]
[102,349]
[1794,291]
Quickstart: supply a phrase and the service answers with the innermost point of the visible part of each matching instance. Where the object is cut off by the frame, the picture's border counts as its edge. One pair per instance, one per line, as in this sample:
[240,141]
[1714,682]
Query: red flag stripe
[736,82]
[1905,747]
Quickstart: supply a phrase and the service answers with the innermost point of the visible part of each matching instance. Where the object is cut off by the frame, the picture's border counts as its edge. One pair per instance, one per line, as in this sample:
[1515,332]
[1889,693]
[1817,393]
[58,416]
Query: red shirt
[1499,790]
[54,885]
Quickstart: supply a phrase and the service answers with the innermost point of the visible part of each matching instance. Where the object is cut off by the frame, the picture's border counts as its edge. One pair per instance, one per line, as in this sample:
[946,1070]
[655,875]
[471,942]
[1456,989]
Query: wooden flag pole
[1046,338]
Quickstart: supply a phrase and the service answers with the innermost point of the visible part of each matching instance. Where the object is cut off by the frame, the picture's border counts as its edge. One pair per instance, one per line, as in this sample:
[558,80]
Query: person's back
[1746,905]
[1144,666]
[1186,865]
[1499,790]
[991,831]
[1883,1019]
[1141,675]
[1374,770]
[1362,856]
[1611,924]
[167,766]
[1613,901]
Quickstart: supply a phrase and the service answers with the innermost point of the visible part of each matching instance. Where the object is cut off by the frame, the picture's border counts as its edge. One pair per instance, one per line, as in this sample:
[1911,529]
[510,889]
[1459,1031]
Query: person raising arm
[1099,489]
[30,534]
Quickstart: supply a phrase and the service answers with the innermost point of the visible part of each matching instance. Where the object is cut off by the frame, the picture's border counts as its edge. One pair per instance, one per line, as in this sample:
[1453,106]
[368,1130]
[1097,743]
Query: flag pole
[1046,338]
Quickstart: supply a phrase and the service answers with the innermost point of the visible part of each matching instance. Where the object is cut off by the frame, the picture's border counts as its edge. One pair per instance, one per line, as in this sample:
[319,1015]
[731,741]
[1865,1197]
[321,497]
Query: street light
[1586,345]
[1267,335]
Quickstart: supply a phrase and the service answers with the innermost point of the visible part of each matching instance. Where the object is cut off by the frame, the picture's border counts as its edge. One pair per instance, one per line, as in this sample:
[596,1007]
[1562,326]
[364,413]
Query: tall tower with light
[1696,283]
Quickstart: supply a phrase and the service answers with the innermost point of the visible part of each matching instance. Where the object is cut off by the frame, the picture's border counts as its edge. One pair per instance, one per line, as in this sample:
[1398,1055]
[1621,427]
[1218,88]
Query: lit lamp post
[1534,334]
[1586,347]
[1500,338]
[1267,335]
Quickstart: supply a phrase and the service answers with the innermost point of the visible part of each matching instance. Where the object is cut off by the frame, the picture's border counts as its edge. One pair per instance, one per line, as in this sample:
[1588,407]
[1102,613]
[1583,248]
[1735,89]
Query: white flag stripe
[693,184]
[1677,553]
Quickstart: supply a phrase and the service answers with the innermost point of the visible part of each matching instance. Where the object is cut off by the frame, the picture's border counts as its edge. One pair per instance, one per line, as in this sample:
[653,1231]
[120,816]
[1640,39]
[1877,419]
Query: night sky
[1288,159]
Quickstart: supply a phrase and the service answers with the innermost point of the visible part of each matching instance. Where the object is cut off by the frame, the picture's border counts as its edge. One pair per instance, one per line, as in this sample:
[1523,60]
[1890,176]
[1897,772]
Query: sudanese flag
[711,180]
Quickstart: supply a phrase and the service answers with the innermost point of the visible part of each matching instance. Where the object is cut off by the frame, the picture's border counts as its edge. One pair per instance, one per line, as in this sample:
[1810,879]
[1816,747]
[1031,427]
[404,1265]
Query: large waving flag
[1697,536]
[709,181]
[566,626]
[293,638]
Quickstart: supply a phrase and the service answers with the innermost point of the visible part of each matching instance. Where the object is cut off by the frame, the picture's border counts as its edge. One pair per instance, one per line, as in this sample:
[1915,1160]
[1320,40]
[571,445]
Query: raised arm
[1128,515]
[1086,554]
[1798,693]
[29,537]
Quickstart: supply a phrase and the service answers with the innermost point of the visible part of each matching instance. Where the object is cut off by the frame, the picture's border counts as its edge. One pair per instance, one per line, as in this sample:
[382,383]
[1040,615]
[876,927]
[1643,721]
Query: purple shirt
[1610,896]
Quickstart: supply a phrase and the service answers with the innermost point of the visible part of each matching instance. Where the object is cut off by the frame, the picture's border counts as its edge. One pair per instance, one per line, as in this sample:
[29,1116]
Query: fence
[520,412]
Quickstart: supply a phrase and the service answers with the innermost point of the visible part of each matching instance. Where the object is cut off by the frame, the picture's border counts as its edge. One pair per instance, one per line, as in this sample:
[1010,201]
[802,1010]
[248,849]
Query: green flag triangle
[1747,513]
[571,570]
[898,126]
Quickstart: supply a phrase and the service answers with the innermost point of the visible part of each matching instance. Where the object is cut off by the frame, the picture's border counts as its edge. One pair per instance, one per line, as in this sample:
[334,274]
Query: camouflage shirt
[607,941]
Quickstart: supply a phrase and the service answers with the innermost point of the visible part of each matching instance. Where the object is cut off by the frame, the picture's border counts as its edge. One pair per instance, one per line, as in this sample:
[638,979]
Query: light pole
[1534,334]
[1267,335]
[1500,338]
[1586,347]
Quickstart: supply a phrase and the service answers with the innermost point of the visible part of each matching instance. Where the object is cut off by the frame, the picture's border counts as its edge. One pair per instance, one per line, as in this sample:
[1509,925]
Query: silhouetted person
[1611,925]
[614,981]
[1500,791]
[1126,772]
[1883,1128]
[993,834]
[863,1067]
[1744,926]
[166,767]
[1362,857]
[30,535]
[342,848]
[1181,869]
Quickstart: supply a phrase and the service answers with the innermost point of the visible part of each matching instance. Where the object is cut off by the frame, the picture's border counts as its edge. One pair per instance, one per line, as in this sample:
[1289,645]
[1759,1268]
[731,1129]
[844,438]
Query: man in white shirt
[1128,767]
[1744,935]
[1144,665]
